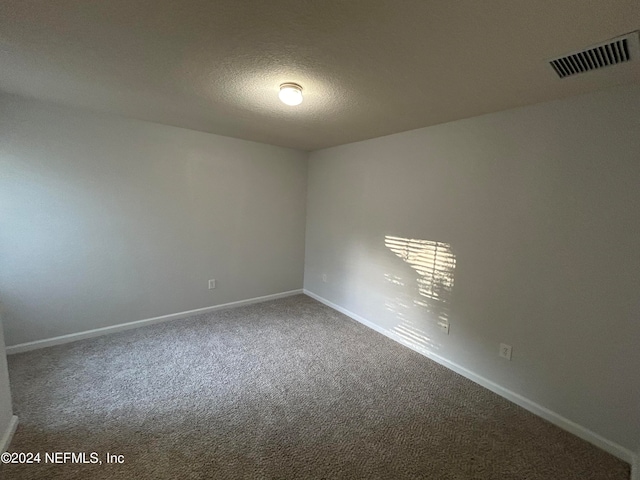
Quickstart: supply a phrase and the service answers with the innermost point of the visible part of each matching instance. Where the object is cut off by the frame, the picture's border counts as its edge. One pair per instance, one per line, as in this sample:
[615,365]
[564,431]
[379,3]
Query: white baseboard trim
[5,440]
[72,337]
[555,418]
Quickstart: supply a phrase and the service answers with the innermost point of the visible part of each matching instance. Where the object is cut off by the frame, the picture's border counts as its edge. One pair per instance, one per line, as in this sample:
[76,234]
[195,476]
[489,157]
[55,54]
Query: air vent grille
[611,53]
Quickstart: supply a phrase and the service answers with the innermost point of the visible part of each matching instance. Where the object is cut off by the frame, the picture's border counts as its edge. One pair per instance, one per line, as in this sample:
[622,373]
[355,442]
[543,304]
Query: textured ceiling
[368,67]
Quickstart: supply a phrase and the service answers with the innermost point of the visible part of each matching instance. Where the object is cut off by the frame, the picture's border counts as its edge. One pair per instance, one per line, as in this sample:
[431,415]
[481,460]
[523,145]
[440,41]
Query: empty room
[318,239]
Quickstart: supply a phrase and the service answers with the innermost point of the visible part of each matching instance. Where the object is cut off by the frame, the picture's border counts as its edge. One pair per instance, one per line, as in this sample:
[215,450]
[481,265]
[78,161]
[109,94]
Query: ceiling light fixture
[290,93]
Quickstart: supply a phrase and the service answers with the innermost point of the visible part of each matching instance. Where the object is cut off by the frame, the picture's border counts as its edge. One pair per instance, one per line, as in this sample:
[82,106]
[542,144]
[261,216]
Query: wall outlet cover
[505,351]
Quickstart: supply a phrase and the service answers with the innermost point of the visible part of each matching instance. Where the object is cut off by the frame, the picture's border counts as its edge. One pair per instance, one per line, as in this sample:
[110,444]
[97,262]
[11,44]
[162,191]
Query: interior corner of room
[503,244]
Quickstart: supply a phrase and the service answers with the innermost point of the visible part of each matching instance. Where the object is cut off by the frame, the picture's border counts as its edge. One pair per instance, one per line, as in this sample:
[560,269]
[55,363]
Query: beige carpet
[285,389]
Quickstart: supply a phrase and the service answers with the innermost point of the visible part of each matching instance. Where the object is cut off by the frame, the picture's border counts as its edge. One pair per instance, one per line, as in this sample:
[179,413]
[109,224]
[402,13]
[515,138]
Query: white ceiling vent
[618,50]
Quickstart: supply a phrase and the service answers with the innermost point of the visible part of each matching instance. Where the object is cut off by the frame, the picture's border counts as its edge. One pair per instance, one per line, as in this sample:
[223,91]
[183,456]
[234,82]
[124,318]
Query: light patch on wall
[396,280]
[435,264]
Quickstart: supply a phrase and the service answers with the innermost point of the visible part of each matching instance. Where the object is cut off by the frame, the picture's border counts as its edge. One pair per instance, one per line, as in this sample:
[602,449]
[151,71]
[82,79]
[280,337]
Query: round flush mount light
[290,93]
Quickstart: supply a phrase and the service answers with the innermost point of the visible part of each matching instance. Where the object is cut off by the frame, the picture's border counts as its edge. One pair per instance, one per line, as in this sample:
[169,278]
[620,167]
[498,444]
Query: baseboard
[553,417]
[72,337]
[635,468]
[5,440]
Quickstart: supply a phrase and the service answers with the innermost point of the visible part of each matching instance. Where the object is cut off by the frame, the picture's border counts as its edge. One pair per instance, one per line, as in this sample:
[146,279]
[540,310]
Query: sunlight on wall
[435,264]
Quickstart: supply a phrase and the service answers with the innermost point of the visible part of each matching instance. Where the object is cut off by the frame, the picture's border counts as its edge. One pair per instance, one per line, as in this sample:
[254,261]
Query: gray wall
[6,409]
[105,220]
[540,207]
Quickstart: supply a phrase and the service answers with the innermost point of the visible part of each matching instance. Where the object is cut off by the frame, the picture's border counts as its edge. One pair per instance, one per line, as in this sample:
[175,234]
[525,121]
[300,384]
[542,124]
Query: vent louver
[613,52]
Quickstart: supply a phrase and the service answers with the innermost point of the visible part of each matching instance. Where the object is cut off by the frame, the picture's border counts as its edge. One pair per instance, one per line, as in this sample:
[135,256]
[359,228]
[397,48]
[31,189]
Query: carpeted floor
[287,389]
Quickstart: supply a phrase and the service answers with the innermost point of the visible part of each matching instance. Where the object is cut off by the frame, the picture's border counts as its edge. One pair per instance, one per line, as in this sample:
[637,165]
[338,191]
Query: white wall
[105,220]
[541,208]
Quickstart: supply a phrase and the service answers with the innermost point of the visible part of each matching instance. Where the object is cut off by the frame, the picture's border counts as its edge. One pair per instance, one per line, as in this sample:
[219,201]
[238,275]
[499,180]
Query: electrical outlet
[505,351]
[324,277]
[444,326]
[212,284]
